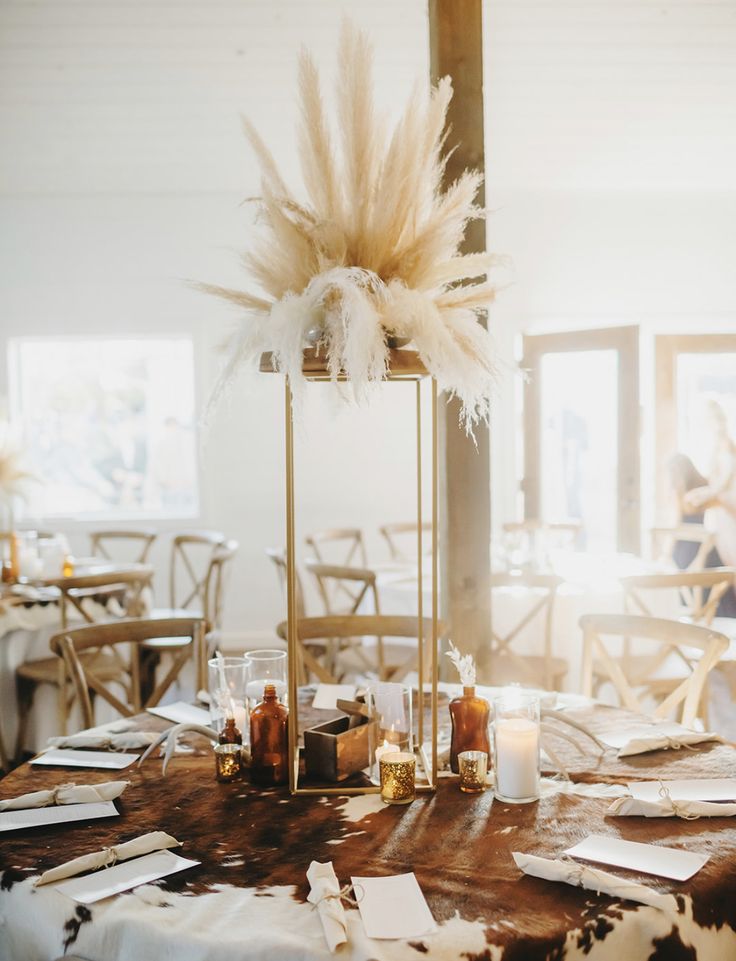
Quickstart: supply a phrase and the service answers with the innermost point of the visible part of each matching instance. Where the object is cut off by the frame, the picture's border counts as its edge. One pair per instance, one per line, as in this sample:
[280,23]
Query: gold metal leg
[291,595]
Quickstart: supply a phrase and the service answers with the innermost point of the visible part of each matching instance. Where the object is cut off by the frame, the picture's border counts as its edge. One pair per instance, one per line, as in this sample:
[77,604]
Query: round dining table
[247,898]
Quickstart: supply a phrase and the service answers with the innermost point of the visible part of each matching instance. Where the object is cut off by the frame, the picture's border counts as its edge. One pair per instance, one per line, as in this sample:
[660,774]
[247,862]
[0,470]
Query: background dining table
[30,613]
[246,901]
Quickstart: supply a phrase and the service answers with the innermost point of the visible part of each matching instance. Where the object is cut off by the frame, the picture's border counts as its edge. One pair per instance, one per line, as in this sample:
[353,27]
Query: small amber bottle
[230,734]
[469,715]
[228,752]
[269,741]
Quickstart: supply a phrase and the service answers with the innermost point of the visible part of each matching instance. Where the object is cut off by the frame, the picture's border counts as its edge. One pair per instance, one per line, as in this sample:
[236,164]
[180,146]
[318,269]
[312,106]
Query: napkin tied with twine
[581,876]
[66,794]
[145,844]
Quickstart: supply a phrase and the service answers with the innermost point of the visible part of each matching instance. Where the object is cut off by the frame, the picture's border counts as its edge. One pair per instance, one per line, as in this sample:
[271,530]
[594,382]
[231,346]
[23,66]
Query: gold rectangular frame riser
[430,770]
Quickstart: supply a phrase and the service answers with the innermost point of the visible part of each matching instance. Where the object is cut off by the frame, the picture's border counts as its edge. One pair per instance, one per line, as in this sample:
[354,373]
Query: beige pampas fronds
[13,476]
[375,248]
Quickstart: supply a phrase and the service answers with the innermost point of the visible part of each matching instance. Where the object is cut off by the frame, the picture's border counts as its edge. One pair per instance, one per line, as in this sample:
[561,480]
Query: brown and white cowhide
[247,900]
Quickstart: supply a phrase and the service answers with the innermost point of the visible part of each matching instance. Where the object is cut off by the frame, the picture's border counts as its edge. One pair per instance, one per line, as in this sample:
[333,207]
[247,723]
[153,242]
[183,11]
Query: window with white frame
[108,425]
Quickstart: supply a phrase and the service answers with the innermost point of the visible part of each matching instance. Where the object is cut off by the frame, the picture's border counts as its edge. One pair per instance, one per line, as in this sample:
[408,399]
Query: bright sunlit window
[109,424]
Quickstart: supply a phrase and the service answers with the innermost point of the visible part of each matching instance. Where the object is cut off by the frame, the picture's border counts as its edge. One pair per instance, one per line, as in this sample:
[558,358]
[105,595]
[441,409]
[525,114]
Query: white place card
[37,817]
[393,907]
[124,876]
[67,757]
[647,858]
[621,736]
[327,696]
[182,713]
[694,789]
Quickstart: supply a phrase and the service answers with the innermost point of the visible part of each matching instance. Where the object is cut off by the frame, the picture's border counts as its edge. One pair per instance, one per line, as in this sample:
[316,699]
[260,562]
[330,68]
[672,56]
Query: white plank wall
[611,129]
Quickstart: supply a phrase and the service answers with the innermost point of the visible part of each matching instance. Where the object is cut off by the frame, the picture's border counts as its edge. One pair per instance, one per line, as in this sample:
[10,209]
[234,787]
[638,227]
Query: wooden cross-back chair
[508,665]
[699,592]
[343,546]
[401,538]
[363,626]
[361,583]
[112,543]
[75,592]
[205,595]
[664,540]
[635,676]
[278,558]
[191,555]
[84,654]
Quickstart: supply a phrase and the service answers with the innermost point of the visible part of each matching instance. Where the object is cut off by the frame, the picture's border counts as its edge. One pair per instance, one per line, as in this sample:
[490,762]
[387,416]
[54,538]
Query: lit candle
[472,767]
[517,759]
[385,748]
[398,773]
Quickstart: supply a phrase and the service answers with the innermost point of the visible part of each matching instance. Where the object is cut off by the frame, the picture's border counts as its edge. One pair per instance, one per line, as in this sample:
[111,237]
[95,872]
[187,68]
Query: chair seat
[46,670]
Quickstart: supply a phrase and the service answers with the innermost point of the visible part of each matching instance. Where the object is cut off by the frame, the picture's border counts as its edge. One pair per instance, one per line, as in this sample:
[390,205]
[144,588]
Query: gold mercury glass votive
[398,772]
[473,767]
[227,761]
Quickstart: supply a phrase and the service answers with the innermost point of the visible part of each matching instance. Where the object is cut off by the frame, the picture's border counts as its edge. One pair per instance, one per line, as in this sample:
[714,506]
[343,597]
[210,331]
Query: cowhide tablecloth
[248,898]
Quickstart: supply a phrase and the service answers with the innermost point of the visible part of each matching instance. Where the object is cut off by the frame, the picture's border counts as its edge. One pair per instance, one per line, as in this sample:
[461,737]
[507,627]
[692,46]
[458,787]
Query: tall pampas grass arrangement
[373,251]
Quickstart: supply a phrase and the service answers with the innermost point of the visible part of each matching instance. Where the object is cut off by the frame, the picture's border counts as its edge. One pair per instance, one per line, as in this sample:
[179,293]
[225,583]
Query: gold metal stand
[404,366]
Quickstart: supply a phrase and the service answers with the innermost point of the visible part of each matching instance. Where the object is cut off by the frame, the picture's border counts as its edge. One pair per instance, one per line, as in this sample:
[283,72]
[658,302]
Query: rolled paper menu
[325,895]
[661,741]
[124,741]
[145,844]
[66,794]
[667,808]
[578,875]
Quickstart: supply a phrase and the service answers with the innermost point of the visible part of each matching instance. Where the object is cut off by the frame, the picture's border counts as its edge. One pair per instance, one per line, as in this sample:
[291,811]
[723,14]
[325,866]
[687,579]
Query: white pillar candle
[517,758]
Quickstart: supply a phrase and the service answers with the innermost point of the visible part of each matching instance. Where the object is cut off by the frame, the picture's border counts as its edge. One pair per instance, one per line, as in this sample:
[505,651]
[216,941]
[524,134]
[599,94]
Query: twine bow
[54,795]
[676,745]
[343,895]
[676,808]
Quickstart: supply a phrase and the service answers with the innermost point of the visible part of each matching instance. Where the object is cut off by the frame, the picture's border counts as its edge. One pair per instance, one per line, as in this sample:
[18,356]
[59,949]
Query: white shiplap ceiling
[124,95]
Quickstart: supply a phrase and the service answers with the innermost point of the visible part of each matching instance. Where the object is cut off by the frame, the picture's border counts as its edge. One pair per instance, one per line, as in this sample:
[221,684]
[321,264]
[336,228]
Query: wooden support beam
[456,49]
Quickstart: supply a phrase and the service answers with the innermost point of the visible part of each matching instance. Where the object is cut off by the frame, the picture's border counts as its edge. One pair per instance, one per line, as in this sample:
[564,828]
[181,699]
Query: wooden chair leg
[4,762]
[25,691]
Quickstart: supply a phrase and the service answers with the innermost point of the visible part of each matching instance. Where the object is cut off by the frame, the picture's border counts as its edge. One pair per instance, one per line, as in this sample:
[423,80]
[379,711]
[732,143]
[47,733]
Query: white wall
[611,148]
[123,175]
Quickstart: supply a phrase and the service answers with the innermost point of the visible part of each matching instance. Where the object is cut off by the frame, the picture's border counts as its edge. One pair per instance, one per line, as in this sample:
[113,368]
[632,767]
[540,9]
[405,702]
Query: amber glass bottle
[469,715]
[230,734]
[269,743]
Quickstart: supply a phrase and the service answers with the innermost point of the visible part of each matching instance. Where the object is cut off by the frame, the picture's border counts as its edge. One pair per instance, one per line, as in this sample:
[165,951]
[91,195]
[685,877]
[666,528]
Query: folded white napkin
[124,741]
[145,844]
[66,794]
[570,872]
[658,742]
[325,893]
[667,808]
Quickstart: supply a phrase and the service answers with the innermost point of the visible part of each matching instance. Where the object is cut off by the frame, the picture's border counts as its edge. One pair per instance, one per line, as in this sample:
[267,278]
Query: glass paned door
[581,415]
[695,385]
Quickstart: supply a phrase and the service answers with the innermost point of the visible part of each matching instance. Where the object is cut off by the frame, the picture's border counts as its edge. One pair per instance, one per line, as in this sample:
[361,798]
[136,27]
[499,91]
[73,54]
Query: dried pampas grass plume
[373,251]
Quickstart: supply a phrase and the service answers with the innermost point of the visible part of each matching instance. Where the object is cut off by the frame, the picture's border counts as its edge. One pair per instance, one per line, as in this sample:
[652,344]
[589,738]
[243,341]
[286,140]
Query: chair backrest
[84,640]
[335,581]
[117,545]
[340,544]
[664,540]
[401,538]
[192,553]
[367,625]
[699,591]
[627,675]
[214,583]
[130,580]
[278,557]
[539,590]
